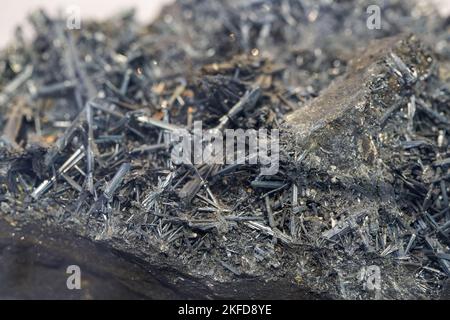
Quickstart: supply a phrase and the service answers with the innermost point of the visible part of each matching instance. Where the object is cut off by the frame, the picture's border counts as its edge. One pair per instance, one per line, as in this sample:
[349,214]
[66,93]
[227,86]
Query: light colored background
[14,12]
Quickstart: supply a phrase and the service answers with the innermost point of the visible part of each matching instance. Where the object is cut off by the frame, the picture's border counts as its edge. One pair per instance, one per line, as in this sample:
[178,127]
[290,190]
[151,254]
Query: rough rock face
[341,137]
[342,128]
[344,144]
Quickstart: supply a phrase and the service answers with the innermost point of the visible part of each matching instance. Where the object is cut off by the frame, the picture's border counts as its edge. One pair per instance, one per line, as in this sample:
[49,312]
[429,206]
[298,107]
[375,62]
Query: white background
[14,12]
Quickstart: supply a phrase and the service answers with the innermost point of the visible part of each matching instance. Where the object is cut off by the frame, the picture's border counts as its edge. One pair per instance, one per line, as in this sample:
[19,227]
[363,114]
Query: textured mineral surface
[358,209]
